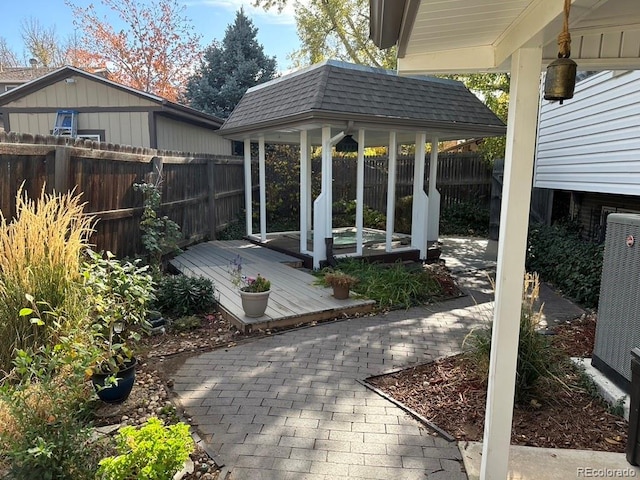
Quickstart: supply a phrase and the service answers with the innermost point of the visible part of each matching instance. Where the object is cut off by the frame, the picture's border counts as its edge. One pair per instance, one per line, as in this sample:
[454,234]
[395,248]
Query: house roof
[476,35]
[168,107]
[22,74]
[343,92]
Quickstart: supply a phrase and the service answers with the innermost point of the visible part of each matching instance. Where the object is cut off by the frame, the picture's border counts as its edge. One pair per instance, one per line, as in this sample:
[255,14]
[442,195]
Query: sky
[276,31]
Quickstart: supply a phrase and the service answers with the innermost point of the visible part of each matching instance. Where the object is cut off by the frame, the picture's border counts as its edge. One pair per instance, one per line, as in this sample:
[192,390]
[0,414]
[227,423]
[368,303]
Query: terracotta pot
[254,304]
[340,292]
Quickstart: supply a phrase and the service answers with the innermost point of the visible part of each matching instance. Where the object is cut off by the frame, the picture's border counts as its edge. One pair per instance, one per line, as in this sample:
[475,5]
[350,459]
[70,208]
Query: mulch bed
[451,394]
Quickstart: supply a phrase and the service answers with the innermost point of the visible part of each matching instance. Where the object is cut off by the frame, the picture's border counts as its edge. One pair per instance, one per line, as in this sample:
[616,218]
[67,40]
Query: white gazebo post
[433,219]
[248,187]
[420,209]
[514,217]
[320,212]
[304,190]
[360,193]
[391,188]
[263,190]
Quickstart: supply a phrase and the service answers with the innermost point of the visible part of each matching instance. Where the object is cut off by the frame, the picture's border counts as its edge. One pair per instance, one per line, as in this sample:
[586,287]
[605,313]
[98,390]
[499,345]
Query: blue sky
[276,32]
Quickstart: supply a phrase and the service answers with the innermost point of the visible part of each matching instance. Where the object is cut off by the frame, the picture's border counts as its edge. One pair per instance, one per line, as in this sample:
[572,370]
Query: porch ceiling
[476,35]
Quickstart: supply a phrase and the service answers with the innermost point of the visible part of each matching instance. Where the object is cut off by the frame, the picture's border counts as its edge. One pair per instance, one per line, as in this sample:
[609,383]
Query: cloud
[285,17]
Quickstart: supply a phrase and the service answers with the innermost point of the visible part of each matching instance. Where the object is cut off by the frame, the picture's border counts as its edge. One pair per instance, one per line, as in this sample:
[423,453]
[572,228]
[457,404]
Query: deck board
[294,299]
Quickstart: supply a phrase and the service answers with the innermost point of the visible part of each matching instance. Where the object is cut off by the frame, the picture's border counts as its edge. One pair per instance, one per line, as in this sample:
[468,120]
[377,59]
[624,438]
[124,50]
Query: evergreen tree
[229,69]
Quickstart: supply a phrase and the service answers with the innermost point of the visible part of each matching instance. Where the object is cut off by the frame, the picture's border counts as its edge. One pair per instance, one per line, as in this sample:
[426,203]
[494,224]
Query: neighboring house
[12,77]
[110,112]
[589,150]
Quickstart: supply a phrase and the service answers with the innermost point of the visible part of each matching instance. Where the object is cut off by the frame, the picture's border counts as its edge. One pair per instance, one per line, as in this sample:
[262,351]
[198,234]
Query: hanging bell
[560,80]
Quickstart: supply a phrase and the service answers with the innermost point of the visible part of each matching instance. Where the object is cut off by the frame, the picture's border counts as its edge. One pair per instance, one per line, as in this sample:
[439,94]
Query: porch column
[263,190]
[420,209]
[391,188]
[304,191]
[309,186]
[514,216]
[433,220]
[360,193]
[320,212]
[248,187]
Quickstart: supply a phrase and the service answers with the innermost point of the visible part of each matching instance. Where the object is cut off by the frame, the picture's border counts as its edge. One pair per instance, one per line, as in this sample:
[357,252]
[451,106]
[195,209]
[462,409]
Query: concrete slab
[529,463]
[462,254]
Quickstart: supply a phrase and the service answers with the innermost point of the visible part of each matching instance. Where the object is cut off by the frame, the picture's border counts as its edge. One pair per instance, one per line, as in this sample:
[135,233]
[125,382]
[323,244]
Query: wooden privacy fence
[201,193]
[462,177]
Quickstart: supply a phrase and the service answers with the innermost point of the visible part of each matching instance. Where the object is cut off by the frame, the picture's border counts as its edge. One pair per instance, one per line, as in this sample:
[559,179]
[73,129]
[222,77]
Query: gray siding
[592,142]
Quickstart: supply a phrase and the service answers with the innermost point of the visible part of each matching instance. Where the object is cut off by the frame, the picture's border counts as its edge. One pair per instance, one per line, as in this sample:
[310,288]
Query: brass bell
[560,80]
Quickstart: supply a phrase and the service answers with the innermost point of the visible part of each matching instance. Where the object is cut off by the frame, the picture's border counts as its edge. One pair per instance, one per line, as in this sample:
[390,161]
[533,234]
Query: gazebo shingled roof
[336,91]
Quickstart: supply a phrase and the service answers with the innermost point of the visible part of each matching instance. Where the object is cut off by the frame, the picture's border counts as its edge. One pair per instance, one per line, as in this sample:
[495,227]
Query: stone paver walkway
[290,407]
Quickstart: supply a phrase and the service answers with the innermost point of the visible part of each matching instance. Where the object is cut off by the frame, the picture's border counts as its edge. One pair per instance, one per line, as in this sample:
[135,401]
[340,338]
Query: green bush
[465,218]
[44,408]
[561,257]
[344,215]
[392,286]
[537,357]
[179,295]
[151,452]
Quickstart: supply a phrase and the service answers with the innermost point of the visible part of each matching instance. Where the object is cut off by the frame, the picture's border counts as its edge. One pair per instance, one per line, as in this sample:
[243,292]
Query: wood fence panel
[105,174]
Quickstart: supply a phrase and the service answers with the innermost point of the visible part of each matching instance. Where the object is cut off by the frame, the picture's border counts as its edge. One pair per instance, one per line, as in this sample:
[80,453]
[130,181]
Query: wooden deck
[294,298]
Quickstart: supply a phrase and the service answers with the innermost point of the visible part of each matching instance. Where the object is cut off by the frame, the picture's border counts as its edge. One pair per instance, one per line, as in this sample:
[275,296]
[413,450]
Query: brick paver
[290,406]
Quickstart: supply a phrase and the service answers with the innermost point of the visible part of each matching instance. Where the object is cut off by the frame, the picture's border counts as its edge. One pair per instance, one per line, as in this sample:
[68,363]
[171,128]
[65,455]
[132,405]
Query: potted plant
[254,291]
[119,292]
[341,283]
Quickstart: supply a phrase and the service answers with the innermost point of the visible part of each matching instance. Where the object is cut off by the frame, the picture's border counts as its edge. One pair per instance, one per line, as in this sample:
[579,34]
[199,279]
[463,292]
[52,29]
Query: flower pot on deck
[341,292]
[254,304]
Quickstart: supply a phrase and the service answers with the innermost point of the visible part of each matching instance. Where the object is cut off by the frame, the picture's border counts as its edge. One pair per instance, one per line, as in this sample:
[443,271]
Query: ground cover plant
[465,218]
[562,258]
[396,285]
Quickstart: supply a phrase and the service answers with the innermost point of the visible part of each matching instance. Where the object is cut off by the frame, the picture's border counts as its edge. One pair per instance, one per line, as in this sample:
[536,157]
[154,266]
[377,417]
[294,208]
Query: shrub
[151,452]
[344,215]
[392,286]
[40,255]
[180,295]
[536,356]
[43,416]
[465,218]
[560,256]
[160,235]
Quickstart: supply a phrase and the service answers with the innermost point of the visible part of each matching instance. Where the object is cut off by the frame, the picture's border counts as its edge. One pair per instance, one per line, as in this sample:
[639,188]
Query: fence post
[61,174]
[155,175]
[211,187]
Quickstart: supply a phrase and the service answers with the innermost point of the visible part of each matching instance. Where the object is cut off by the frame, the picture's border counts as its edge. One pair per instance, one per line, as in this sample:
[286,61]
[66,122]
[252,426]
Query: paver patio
[289,406]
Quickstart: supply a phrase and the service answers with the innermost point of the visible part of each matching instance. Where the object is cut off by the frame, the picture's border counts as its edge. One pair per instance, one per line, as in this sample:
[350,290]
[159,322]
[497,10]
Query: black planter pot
[115,392]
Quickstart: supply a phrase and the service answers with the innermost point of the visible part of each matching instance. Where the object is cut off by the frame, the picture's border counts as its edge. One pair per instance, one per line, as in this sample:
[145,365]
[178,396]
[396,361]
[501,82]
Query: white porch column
[320,212]
[248,187]
[360,193]
[304,191]
[420,209]
[309,187]
[433,220]
[263,190]
[391,188]
[516,197]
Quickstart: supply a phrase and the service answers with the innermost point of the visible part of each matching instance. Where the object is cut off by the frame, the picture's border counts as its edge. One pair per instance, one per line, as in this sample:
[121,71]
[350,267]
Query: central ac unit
[618,327]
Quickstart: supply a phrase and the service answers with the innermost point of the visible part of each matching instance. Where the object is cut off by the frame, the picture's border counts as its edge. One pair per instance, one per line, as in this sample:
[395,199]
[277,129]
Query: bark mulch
[561,414]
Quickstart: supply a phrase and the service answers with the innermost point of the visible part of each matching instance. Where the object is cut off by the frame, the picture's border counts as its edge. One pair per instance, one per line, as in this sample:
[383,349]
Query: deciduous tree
[229,68]
[155,51]
[42,43]
[8,57]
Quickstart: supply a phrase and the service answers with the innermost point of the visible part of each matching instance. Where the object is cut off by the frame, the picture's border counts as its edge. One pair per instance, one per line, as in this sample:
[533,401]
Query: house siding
[182,137]
[125,128]
[592,142]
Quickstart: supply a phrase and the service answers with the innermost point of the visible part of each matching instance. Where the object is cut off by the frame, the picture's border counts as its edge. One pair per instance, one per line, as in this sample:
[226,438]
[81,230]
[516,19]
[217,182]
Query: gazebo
[334,102]
[516,36]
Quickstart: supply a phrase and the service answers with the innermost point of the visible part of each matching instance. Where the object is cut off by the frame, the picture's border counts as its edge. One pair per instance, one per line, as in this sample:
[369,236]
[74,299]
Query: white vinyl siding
[592,142]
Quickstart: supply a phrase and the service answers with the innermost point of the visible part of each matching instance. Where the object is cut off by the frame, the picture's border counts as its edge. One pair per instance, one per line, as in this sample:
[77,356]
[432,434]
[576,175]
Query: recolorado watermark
[587,472]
